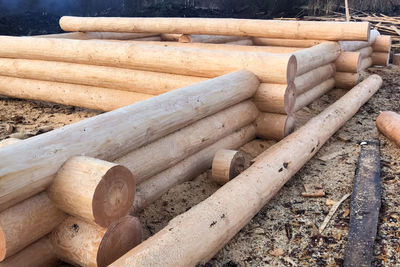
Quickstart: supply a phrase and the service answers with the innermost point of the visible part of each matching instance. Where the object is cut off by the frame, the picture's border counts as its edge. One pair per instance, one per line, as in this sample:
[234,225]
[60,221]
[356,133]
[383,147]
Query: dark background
[31,17]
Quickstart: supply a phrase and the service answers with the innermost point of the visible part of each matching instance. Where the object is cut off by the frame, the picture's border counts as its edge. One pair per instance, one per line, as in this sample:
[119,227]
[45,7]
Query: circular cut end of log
[289,125]
[3,245]
[290,98]
[121,236]
[114,195]
[226,165]
[291,69]
[185,38]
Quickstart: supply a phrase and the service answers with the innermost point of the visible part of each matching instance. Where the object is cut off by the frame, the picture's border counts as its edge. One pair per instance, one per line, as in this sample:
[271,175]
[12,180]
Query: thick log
[130,127]
[215,39]
[213,222]
[9,141]
[364,209]
[388,123]
[172,37]
[69,94]
[286,42]
[383,44]
[93,190]
[348,62]
[276,98]
[97,35]
[144,82]
[356,45]
[396,59]
[226,165]
[366,63]
[84,244]
[271,68]
[39,254]
[189,168]
[152,39]
[314,77]
[346,80]
[271,126]
[365,52]
[241,42]
[158,156]
[235,27]
[27,222]
[380,58]
[311,95]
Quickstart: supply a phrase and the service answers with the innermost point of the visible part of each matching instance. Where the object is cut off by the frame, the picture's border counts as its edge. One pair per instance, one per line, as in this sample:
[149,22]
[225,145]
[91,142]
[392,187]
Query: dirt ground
[285,232]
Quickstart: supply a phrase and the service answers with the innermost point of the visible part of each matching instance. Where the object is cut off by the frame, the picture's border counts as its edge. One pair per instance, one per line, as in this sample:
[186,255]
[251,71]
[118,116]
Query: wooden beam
[383,44]
[276,98]
[348,62]
[286,42]
[314,77]
[272,126]
[214,39]
[388,123]
[346,80]
[97,35]
[380,58]
[313,94]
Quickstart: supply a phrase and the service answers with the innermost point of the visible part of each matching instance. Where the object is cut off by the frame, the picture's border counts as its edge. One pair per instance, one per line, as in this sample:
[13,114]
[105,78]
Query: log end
[289,125]
[3,245]
[226,165]
[291,71]
[113,196]
[121,236]
[290,98]
[185,38]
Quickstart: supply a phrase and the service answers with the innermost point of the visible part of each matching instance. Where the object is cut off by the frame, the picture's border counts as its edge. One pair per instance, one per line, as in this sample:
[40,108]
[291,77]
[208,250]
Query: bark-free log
[216,39]
[207,63]
[396,59]
[348,62]
[311,95]
[356,45]
[27,222]
[93,190]
[383,44]
[271,126]
[286,42]
[366,63]
[9,141]
[213,222]
[346,80]
[380,58]
[157,156]
[241,42]
[276,98]
[69,94]
[388,123]
[365,52]
[97,35]
[226,165]
[113,134]
[39,254]
[145,82]
[84,244]
[312,78]
[189,168]
[212,26]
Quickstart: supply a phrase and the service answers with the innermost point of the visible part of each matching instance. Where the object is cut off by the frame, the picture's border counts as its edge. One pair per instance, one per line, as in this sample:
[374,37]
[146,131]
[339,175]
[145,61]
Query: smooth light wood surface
[380,58]
[383,43]
[276,98]
[97,35]
[214,39]
[226,165]
[365,52]
[286,42]
[9,141]
[366,63]
[356,45]
[314,77]
[348,62]
[311,95]
[346,80]
[272,126]
[388,123]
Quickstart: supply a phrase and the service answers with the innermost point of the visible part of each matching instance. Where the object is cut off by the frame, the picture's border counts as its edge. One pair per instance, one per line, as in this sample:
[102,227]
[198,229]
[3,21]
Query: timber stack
[202,85]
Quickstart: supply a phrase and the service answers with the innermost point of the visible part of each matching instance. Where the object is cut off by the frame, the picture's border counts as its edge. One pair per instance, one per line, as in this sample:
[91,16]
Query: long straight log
[145,82]
[311,95]
[212,26]
[314,77]
[215,39]
[388,123]
[213,222]
[365,52]
[366,63]
[97,35]
[69,94]
[27,222]
[276,98]
[272,126]
[356,45]
[158,156]
[271,68]
[150,190]
[383,44]
[380,58]
[348,62]
[346,80]
[286,42]
[130,127]
[241,42]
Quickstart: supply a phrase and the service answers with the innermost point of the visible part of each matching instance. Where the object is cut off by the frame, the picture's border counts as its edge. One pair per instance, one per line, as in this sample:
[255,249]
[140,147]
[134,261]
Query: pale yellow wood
[97,35]
[272,126]
[314,77]
[241,42]
[198,234]
[365,52]
[356,45]
[226,165]
[152,38]
[275,98]
[311,95]
[348,62]
[380,58]
[113,134]
[346,80]
[286,42]
[166,152]
[383,43]
[9,141]
[366,63]
[396,59]
[221,26]
[214,39]
[388,123]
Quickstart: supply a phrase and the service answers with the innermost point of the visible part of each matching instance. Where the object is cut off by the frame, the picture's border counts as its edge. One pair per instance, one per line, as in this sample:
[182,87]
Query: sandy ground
[285,231]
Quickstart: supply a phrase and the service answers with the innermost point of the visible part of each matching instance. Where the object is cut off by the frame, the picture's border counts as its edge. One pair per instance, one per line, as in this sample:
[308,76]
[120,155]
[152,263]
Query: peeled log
[388,123]
[241,42]
[286,42]
[222,26]
[130,127]
[380,58]
[213,222]
[356,45]
[97,35]
[313,78]
[346,80]
[226,165]
[85,244]
[365,52]
[145,82]
[189,168]
[69,94]
[396,59]
[93,190]
[9,141]
[311,95]
[216,39]
[366,63]
[271,126]
[27,222]
[275,98]
[39,254]
[348,62]
[383,44]
[158,156]
[271,68]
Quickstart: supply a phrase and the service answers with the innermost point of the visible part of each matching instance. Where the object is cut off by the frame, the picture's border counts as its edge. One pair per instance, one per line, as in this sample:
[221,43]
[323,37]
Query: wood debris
[313,190]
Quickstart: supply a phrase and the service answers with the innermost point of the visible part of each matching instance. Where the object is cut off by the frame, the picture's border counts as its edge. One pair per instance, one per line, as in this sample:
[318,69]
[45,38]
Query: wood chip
[277,252]
[332,212]
[330,202]
[313,190]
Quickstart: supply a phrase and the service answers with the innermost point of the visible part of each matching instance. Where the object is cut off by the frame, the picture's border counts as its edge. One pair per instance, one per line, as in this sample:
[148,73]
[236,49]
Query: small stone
[277,252]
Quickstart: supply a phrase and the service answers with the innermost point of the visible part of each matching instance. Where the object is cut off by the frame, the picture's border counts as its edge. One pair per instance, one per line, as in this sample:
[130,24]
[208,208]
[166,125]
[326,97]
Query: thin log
[388,123]
[213,222]
[152,39]
[276,98]
[93,190]
[380,58]
[364,209]
[313,94]
[366,63]
[396,59]
[226,165]
[97,35]
[348,62]
[234,27]
[346,80]
[383,44]
[271,68]
[365,52]
[356,45]
[130,127]
[313,78]
[271,126]
[215,39]
[189,168]
[84,244]
[158,156]
[286,42]
[69,94]
[26,223]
